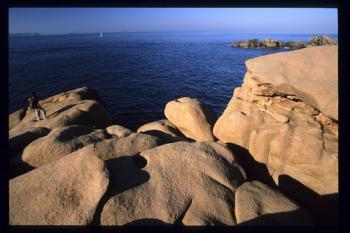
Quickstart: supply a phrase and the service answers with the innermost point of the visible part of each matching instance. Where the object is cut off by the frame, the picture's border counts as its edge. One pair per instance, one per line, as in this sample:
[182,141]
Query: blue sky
[244,20]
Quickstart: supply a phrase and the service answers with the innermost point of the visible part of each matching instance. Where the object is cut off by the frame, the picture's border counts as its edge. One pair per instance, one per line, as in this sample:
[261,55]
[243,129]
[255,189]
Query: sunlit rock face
[193,118]
[64,192]
[178,183]
[285,114]
[81,106]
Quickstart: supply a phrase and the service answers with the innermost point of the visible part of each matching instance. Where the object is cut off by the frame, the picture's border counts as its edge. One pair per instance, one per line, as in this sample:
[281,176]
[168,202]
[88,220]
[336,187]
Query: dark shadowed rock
[254,43]
[295,44]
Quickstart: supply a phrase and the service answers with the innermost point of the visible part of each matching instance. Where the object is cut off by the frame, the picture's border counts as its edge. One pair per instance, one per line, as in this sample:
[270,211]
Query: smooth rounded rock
[130,145]
[118,130]
[163,129]
[258,204]
[64,192]
[81,106]
[193,118]
[61,142]
[176,183]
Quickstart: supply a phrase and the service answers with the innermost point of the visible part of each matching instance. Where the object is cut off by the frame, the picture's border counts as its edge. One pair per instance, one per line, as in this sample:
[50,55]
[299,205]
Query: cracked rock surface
[281,130]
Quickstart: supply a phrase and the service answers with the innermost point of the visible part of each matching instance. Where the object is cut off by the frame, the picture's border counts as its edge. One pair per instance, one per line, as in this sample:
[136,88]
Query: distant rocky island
[271,158]
[273,43]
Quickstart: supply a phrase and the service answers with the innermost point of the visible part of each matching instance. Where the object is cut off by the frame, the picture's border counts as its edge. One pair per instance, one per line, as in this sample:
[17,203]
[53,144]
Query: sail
[101,35]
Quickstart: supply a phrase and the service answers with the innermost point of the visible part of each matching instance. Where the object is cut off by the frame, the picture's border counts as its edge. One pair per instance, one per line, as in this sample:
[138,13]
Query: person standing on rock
[33,103]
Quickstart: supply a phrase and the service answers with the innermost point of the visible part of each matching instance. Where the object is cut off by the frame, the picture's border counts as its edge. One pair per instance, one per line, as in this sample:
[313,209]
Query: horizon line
[125,31]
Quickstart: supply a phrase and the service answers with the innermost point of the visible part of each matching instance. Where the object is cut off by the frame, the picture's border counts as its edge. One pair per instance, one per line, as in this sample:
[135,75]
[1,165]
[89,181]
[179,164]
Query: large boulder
[321,40]
[258,204]
[193,118]
[297,144]
[118,130]
[63,192]
[176,183]
[163,129]
[315,81]
[61,142]
[130,145]
[82,93]
[76,107]
[287,135]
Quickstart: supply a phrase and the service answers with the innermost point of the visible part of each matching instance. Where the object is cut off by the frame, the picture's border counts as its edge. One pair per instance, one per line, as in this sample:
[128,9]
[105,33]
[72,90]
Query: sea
[135,73]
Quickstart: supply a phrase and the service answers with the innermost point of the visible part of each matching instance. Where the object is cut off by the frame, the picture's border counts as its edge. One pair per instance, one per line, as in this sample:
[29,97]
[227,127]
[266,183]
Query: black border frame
[344,92]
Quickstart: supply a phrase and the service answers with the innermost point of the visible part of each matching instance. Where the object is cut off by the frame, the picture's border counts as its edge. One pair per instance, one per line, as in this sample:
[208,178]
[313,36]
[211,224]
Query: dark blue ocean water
[135,74]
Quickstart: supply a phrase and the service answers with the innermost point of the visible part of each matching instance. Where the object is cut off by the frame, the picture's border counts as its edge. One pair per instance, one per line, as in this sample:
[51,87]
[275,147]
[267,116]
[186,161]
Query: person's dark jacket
[33,103]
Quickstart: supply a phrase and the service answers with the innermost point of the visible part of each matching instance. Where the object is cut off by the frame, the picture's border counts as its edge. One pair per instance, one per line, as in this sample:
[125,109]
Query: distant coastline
[241,33]
[24,34]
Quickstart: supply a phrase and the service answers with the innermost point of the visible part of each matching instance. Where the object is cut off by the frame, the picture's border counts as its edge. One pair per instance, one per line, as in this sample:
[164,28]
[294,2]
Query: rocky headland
[274,44]
[270,159]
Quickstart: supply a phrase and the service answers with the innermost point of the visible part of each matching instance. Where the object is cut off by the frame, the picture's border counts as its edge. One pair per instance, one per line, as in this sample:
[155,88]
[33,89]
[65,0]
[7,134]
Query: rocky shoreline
[274,44]
[270,159]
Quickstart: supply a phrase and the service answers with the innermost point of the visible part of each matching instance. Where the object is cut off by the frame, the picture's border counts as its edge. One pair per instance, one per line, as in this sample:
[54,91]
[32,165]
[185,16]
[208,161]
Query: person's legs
[43,113]
[37,114]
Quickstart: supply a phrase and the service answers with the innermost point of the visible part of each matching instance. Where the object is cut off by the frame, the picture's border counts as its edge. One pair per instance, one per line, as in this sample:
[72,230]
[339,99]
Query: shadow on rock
[19,142]
[124,173]
[61,110]
[254,169]
[147,222]
[323,208]
[18,167]
[282,219]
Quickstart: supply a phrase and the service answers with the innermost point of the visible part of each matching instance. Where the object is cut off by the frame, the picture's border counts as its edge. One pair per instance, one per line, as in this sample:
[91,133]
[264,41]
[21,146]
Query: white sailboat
[101,35]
